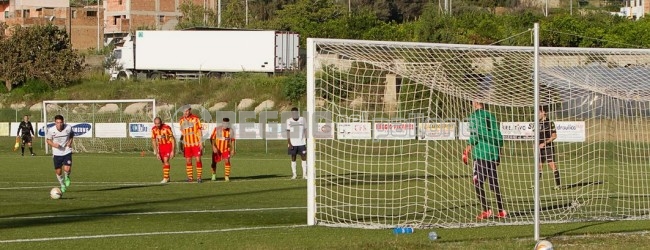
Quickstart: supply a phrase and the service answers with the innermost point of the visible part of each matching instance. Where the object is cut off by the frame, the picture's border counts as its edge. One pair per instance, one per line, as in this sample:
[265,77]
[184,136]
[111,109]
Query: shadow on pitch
[126,187]
[256,177]
[561,233]
[583,184]
[60,217]
[566,205]
[377,178]
[95,213]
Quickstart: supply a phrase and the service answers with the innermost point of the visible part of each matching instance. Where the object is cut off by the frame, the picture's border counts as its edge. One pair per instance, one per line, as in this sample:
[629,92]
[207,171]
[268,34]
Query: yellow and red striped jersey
[162,135]
[221,138]
[191,130]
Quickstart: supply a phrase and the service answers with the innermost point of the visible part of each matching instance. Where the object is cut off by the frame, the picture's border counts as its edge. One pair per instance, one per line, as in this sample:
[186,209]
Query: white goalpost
[400,111]
[103,125]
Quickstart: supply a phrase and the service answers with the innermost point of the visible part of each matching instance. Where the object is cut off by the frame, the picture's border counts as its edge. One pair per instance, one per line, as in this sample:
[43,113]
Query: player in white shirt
[60,139]
[296,137]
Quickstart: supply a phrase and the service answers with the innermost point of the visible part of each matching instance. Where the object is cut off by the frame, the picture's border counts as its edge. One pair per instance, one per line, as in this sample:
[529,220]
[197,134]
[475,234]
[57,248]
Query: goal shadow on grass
[582,184]
[368,178]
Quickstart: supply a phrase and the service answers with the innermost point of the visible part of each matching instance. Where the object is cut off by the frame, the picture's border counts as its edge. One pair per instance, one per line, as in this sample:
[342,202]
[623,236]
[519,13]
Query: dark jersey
[546,130]
[25,128]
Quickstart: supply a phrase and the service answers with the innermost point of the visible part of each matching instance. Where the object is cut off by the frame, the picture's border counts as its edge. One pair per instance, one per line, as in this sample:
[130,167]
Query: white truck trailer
[186,54]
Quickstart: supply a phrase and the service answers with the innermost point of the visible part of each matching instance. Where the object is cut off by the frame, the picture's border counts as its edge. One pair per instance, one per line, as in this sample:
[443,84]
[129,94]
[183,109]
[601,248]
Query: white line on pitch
[153,213]
[99,236]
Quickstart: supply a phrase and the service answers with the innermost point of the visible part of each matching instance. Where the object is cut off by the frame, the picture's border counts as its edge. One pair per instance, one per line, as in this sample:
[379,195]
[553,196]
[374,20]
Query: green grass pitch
[116,202]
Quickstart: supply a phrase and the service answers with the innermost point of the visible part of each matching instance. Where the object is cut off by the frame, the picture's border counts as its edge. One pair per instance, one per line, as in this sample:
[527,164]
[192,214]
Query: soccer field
[116,202]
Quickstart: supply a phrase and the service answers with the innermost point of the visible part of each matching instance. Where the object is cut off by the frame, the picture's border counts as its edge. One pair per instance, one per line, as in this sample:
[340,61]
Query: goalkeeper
[547,134]
[484,146]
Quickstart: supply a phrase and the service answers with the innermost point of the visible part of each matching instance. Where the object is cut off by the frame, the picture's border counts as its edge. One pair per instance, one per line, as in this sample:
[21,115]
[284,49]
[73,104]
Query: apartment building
[124,16]
[84,24]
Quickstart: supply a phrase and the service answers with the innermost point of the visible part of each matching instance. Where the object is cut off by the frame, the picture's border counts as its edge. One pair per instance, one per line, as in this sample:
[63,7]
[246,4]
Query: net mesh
[117,115]
[400,112]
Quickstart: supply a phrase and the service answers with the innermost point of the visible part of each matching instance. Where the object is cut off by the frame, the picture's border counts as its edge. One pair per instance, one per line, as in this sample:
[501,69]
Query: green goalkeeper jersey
[485,135]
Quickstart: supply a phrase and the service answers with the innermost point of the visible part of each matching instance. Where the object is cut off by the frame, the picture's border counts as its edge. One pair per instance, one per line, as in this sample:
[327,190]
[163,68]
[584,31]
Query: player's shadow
[583,184]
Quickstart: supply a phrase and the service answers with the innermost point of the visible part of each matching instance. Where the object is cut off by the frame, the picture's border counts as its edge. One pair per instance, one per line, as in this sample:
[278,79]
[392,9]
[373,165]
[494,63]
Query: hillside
[239,92]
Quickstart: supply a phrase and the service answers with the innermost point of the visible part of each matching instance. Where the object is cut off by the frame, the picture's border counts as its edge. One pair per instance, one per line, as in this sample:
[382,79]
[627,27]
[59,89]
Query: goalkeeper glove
[465,156]
[17,145]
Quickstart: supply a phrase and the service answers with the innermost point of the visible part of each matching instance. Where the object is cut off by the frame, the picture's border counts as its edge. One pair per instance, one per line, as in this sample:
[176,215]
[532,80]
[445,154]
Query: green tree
[194,15]
[39,52]
[234,14]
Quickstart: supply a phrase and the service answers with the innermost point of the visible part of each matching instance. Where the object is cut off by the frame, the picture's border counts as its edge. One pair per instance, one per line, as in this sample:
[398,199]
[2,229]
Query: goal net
[103,126]
[400,111]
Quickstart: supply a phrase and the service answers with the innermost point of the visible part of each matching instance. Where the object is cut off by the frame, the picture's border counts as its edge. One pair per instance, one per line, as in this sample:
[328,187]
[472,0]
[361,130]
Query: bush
[295,87]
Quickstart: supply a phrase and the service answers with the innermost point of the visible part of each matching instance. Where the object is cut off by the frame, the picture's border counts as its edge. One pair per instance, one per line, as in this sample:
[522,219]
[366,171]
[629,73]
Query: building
[633,9]
[125,16]
[85,23]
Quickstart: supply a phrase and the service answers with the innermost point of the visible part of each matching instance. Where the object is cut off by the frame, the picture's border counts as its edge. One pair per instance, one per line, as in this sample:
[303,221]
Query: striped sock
[199,169]
[227,169]
[166,168]
[188,170]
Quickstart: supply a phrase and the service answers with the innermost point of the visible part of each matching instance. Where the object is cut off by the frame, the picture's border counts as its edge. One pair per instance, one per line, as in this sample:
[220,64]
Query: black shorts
[298,150]
[484,169]
[63,160]
[26,139]
[547,154]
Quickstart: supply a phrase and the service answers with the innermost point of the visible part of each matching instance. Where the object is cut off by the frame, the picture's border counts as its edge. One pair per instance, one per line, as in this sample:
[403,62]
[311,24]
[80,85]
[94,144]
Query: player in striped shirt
[222,139]
[162,139]
[192,142]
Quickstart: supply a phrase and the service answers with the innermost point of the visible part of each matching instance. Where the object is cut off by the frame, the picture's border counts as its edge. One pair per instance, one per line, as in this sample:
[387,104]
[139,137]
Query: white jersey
[297,131]
[62,138]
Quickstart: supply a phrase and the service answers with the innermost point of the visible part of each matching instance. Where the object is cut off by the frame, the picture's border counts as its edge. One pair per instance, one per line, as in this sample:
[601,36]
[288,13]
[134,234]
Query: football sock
[214,167]
[304,168]
[227,169]
[60,178]
[199,170]
[293,168]
[22,149]
[166,168]
[188,170]
[31,151]
[557,177]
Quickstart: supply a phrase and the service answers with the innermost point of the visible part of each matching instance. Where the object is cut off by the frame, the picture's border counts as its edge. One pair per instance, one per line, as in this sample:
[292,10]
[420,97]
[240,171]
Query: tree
[194,15]
[41,52]
[234,14]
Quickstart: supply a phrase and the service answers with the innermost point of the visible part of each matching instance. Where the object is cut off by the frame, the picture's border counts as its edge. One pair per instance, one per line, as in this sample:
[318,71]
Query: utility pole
[98,34]
[219,14]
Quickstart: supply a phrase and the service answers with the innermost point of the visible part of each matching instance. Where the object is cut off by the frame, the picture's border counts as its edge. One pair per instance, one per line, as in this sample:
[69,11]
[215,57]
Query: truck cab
[123,65]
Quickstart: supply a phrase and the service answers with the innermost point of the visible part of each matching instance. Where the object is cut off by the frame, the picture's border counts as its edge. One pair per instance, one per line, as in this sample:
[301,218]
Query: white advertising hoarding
[437,131]
[140,129]
[567,131]
[248,131]
[324,131]
[394,131]
[110,130]
[354,130]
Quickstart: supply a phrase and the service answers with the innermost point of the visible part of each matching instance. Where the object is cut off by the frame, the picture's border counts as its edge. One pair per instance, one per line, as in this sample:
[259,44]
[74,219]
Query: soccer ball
[55,193]
[544,245]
